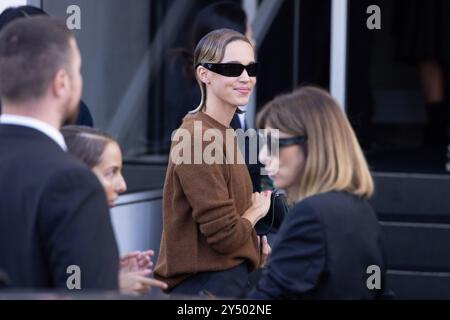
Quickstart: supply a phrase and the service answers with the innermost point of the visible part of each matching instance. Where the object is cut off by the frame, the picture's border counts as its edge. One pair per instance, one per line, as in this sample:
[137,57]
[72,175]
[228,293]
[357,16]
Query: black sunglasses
[231,69]
[282,142]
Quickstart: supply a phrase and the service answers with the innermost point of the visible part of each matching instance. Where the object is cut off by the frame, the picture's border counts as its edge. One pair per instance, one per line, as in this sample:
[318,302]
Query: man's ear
[60,84]
[202,74]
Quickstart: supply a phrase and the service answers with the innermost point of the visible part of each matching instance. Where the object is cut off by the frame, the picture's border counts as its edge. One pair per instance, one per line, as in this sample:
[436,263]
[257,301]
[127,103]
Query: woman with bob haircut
[331,235]
[209,244]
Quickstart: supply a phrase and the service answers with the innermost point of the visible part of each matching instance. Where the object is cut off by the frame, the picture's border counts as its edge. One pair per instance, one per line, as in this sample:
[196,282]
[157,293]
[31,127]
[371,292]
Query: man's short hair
[32,50]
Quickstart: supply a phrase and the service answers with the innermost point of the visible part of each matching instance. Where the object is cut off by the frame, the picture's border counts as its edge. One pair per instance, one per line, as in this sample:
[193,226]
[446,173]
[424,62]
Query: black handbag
[274,217]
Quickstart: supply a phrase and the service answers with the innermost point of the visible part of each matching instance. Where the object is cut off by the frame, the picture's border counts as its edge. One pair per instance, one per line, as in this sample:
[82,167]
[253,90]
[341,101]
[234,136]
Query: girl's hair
[86,143]
[334,160]
[211,48]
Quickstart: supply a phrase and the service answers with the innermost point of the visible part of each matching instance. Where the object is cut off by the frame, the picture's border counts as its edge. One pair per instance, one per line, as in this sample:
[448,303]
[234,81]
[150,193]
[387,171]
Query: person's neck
[36,110]
[219,111]
[291,194]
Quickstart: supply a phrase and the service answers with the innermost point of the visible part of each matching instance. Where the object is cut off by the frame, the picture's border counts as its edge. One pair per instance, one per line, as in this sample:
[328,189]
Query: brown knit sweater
[203,203]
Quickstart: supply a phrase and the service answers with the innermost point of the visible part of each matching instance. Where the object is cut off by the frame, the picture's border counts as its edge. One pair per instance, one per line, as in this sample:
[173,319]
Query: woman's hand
[259,208]
[138,282]
[261,202]
[266,250]
[137,261]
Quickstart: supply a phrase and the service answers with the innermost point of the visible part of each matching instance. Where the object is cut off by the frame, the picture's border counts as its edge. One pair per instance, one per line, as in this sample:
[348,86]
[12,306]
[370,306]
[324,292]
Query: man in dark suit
[55,228]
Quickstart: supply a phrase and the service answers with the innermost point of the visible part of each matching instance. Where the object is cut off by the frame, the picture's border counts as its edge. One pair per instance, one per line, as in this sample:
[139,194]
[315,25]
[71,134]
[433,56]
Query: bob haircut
[334,160]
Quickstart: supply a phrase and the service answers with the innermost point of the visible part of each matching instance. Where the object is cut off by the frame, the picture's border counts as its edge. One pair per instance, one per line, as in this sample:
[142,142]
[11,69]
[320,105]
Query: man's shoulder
[25,140]
[67,171]
[55,160]
[38,157]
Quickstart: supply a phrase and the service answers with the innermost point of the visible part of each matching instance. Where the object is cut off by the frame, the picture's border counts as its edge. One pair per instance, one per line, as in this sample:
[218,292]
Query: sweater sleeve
[206,190]
[298,257]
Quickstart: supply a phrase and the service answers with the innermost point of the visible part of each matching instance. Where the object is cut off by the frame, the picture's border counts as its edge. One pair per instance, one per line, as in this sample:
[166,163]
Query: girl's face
[108,171]
[285,168]
[233,91]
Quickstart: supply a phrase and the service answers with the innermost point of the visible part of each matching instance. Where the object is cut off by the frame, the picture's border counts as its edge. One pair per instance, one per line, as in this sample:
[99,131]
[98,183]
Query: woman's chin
[241,101]
[277,182]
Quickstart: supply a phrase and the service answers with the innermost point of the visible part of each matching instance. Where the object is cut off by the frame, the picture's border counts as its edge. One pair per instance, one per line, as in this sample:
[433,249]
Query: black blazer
[53,214]
[322,251]
[253,168]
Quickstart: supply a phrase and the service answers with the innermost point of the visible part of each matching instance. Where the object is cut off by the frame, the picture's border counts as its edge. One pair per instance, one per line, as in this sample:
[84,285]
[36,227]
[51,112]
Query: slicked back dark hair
[86,143]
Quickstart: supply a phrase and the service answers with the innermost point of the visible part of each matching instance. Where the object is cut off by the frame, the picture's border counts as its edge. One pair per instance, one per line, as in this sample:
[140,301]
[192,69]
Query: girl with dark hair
[101,152]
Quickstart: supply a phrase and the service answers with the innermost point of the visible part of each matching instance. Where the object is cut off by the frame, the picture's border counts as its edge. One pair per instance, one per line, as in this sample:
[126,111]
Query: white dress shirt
[241,117]
[39,125]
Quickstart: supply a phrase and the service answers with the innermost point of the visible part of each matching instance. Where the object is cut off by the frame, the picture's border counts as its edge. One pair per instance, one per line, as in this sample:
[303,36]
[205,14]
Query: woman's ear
[202,74]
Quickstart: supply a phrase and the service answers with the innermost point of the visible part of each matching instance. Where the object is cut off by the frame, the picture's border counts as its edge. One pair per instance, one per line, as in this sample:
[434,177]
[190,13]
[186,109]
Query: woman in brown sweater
[208,242]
